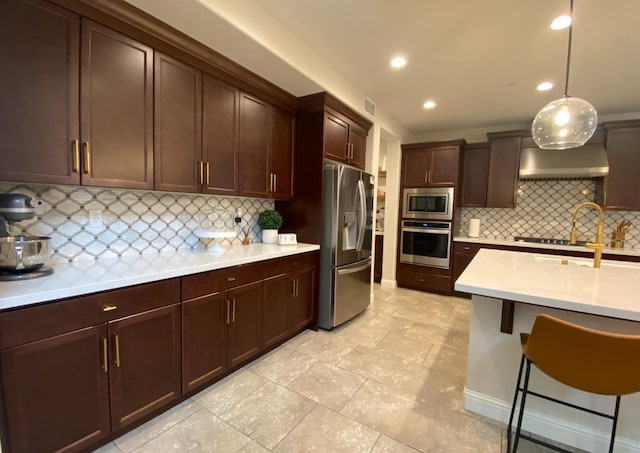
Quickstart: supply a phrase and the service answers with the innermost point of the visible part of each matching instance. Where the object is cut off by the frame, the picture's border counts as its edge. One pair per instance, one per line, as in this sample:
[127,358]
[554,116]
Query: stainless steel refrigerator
[345,252]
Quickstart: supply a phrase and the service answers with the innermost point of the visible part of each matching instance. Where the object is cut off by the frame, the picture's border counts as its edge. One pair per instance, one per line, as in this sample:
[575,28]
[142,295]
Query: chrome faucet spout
[598,245]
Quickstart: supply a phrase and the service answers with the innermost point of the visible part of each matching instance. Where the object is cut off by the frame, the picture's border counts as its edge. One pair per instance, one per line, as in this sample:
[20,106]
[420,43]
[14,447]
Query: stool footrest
[564,403]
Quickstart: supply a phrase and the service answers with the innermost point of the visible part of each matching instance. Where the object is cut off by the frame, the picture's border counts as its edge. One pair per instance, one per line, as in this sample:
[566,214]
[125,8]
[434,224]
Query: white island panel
[573,292]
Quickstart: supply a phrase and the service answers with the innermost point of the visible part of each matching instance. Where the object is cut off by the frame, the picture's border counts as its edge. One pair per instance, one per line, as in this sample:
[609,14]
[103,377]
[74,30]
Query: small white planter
[270,236]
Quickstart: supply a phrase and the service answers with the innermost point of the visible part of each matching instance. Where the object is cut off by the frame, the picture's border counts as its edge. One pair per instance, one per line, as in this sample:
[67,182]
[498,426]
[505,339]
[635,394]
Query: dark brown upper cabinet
[621,188]
[344,140]
[475,175]
[265,150]
[178,126]
[76,100]
[116,95]
[431,164]
[39,112]
[504,166]
[220,136]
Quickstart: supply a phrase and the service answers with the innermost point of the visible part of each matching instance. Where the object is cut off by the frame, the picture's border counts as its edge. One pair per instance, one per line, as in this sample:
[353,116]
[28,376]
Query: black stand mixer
[21,257]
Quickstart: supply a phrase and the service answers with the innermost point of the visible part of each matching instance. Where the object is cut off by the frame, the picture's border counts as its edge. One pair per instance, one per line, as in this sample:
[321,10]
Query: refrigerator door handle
[351,270]
[363,215]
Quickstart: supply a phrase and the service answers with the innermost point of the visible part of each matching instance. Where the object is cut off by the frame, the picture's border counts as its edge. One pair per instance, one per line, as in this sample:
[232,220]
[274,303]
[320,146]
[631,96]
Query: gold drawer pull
[228,311]
[109,307]
[76,156]
[105,352]
[231,279]
[233,315]
[117,338]
[87,158]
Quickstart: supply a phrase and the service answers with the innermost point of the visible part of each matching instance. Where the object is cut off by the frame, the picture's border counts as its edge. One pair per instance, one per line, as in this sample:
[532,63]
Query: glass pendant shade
[565,123]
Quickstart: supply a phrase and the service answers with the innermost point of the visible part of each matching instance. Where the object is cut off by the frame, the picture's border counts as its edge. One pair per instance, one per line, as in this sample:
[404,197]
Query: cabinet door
[39,112]
[282,154]
[415,167]
[204,340]
[475,176]
[245,323]
[145,363]
[358,143]
[336,138]
[444,166]
[56,392]
[220,136]
[117,109]
[253,151]
[622,184]
[178,109]
[504,165]
[302,306]
[278,292]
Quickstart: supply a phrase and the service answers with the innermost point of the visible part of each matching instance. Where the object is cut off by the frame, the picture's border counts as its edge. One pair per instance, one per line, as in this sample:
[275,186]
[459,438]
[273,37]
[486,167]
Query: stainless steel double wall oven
[426,226]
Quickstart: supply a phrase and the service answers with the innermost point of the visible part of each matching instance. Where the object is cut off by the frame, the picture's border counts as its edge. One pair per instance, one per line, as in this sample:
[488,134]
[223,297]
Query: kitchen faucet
[596,246]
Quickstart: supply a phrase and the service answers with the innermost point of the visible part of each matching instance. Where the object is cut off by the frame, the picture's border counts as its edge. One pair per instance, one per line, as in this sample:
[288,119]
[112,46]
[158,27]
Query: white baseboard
[548,426]
[388,284]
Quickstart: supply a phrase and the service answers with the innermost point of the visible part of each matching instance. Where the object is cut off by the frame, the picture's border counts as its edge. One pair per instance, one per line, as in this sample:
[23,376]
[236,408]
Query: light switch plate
[287,239]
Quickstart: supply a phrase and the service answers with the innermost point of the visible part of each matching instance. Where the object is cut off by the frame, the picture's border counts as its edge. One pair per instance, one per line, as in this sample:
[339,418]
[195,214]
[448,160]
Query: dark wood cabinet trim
[130,20]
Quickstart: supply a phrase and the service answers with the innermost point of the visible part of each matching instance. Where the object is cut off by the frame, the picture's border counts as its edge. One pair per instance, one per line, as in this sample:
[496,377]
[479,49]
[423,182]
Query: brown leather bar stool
[586,359]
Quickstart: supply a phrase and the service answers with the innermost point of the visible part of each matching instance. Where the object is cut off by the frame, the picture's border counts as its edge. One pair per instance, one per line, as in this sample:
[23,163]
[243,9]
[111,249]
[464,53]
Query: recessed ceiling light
[429,104]
[544,86]
[398,62]
[561,22]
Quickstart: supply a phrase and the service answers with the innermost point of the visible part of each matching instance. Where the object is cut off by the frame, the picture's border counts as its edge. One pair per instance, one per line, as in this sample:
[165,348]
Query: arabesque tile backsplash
[545,208]
[134,222]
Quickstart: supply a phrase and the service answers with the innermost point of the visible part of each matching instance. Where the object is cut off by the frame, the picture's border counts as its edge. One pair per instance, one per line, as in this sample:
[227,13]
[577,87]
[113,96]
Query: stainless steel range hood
[588,161]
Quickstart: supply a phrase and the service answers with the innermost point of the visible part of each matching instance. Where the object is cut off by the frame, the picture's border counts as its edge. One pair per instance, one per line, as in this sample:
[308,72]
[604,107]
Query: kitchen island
[605,299]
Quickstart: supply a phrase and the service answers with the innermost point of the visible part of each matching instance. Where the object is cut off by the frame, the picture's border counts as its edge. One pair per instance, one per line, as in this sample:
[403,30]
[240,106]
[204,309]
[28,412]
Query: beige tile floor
[390,380]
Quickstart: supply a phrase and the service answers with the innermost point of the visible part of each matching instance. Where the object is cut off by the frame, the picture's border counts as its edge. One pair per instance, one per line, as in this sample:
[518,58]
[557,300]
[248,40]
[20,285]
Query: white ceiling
[479,60]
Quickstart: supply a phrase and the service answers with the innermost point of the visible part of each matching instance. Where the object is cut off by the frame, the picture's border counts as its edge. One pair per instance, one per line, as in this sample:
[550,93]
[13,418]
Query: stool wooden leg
[615,424]
[524,397]
[513,406]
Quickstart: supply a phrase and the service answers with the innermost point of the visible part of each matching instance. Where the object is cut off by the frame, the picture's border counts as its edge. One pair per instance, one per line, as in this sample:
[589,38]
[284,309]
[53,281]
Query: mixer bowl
[23,253]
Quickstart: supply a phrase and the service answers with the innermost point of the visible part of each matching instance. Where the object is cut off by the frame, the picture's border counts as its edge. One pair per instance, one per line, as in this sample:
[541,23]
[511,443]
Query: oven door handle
[427,230]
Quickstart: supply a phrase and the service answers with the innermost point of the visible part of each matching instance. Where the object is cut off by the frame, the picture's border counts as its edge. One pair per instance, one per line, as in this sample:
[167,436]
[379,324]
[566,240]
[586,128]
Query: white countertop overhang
[85,277]
[613,290]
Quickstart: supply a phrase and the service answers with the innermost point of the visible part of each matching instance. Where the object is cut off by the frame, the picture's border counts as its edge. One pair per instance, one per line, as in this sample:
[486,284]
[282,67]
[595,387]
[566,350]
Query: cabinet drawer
[290,263]
[427,282]
[467,248]
[30,324]
[198,285]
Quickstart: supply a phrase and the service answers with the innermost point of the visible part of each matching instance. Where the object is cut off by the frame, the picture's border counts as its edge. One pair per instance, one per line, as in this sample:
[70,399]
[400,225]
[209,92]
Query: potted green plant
[270,221]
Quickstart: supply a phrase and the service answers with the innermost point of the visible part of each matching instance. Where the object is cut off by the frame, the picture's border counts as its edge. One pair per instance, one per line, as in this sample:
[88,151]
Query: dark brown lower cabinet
[424,278]
[288,305]
[67,392]
[245,323]
[56,392]
[204,340]
[144,372]
[77,371]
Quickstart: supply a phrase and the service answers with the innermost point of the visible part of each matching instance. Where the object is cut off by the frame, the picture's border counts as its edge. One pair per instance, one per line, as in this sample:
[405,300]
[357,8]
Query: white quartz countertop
[612,290]
[74,279]
[627,251]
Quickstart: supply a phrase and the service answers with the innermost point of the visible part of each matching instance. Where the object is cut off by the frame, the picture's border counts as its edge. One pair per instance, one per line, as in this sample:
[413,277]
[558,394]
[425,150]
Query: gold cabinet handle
[201,172]
[87,157]
[604,198]
[117,341]
[76,156]
[228,311]
[233,315]
[293,287]
[275,182]
[426,176]
[297,286]
[208,173]
[351,146]
[231,279]
[109,307]
[105,352]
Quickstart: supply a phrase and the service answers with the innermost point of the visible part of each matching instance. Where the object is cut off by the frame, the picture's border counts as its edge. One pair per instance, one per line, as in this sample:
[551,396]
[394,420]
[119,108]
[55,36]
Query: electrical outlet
[95,218]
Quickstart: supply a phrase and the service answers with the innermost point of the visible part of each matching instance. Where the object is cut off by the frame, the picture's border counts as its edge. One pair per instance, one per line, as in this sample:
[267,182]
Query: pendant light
[567,122]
